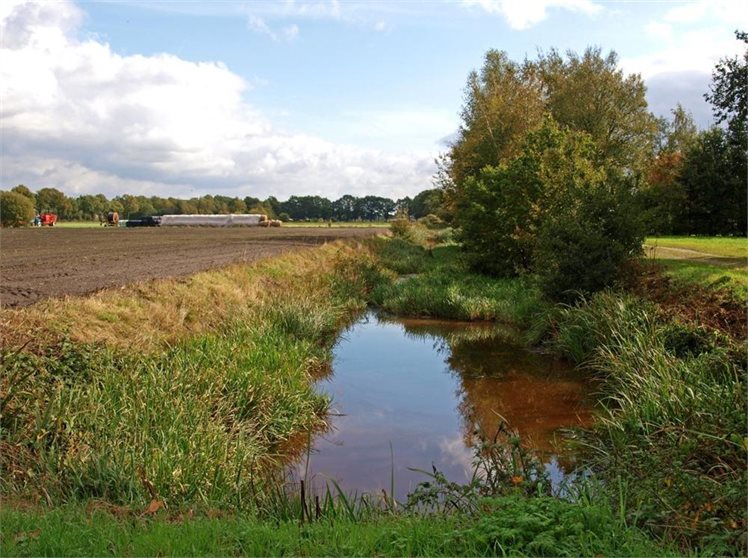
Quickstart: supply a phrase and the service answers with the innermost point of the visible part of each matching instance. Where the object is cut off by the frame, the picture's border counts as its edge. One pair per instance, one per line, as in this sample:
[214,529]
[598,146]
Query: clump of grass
[444,288]
[673,422]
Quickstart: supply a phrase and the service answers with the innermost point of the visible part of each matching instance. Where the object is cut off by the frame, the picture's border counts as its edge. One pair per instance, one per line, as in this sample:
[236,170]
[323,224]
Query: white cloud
[729,11]
[521,14]
[257,24]
[687,51]
[80,117]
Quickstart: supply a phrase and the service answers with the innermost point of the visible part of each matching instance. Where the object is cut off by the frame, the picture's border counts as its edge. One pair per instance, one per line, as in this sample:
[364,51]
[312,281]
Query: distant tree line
[89,207]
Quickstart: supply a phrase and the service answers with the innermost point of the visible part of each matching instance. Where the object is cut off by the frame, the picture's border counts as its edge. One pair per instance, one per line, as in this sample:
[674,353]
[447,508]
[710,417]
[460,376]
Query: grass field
[707,261]
[78,224]
[726,247]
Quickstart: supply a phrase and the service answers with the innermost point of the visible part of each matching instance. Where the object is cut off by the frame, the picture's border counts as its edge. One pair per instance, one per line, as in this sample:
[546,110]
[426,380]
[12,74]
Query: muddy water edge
[415,393]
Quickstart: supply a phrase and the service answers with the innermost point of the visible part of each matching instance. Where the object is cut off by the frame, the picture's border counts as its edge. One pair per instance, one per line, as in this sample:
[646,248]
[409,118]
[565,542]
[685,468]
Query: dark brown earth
[37,263]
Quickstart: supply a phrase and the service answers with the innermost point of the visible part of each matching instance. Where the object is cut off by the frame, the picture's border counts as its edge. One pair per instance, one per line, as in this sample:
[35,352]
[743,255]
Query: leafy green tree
[589,93]
[345,208]
[728,93]
[24,191]
[428,202]
[584,247]
[16,210]
[53,200]
[237,205]
[503,102]
[501,210]
[714,180]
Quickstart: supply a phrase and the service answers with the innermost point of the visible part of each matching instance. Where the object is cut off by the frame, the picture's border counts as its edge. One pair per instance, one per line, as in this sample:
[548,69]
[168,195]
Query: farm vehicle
[111,219]
[45,220]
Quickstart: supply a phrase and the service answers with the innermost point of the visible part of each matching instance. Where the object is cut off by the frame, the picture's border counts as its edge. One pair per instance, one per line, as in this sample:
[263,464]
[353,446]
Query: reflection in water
[412,393]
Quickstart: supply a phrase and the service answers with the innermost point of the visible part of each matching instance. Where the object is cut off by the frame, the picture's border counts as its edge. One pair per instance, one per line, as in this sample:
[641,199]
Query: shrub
[583,247]
[401,227]
[432,221]
[16,210]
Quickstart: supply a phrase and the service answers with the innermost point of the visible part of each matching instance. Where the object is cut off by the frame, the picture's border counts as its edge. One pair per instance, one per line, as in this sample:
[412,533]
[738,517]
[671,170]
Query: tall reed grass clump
[673,428]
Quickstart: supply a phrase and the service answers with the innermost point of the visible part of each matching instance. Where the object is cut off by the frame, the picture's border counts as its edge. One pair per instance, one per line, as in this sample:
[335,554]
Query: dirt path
[42,263]
[670,253]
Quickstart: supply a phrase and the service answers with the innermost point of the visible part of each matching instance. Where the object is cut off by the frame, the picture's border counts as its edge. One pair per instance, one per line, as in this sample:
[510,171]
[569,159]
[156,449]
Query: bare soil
[37,263]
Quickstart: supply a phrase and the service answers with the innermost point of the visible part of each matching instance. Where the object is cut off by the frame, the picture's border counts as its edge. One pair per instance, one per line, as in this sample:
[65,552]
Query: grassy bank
[179,390]
[522,527]
[671,439]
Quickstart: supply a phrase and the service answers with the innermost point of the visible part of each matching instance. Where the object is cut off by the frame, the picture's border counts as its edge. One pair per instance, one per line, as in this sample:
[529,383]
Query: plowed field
[42,263]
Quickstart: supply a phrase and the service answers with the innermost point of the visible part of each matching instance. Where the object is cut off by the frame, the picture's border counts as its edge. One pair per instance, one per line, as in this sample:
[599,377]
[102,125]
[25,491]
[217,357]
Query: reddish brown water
[411,393]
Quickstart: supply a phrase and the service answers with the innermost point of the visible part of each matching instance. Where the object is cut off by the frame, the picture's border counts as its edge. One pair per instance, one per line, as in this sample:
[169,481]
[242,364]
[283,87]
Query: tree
[728,93]
[16,210]
[24,191]
[345,208]
[713,176]
[428,202]
[53,200]
[662,198]
[589,93]
[501,210]
[502,104]
[584,247]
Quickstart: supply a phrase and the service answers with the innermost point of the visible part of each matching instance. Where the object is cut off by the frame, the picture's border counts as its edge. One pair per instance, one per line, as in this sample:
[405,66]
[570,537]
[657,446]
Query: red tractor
[47,219]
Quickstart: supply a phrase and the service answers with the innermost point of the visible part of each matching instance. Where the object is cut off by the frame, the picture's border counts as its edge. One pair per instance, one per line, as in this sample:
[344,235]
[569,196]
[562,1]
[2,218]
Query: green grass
[728,247]
[673,417]
[709,275]
[77,225]
[197,419]
[515,526]
[336,224]
[438,284]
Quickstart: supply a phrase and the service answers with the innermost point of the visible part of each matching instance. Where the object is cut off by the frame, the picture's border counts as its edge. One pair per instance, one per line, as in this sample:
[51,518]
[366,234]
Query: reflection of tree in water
[534,394]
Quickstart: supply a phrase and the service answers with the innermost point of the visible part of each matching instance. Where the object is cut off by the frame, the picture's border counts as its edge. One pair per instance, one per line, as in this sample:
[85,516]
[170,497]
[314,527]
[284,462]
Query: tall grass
[438,284]
[673,425]
[188,414]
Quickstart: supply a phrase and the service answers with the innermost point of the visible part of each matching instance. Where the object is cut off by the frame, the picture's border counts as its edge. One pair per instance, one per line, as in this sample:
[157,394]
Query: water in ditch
[411,394]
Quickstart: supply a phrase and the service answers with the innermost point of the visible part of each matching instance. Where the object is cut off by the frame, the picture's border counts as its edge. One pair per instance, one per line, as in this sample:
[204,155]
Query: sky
[298,97]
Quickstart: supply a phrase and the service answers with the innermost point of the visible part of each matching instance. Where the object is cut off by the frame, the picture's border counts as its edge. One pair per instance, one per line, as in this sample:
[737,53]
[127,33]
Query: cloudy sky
[296,97]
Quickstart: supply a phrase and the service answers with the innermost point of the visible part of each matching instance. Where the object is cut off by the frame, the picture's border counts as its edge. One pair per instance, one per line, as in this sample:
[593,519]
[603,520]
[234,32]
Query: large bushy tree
[16,210]
[500,211]
[590,93]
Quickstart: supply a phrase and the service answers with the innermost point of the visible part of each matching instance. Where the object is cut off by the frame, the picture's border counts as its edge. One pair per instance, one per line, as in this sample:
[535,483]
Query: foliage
[584,250]
[713,177]
[16,210]
[589,93]
[548,210]
[24,191]
[728,93]
[429,202]
[502,104]
[674,418]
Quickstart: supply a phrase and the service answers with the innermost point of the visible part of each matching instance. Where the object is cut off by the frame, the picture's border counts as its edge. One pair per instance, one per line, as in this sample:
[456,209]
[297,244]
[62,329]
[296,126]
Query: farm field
[53,262]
